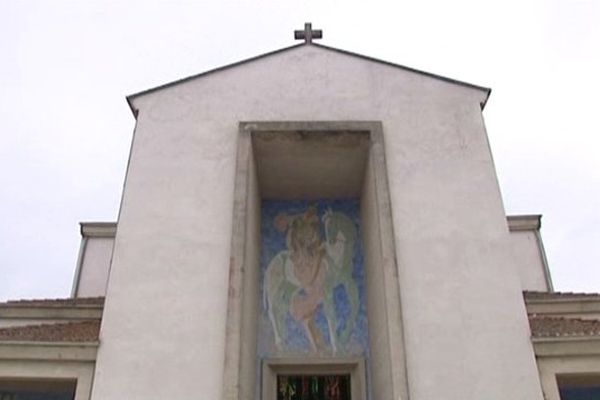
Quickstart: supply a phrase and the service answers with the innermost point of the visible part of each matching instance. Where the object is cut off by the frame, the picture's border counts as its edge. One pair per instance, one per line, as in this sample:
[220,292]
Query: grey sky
[65,128]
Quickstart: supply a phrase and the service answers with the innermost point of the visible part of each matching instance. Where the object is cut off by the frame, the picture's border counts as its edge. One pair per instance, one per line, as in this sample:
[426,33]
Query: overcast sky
[65,128]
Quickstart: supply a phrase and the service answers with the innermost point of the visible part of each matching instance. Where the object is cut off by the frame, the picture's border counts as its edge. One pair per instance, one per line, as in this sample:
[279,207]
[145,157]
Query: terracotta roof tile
[531,295]
[86,331]
[560,326]
[79,301]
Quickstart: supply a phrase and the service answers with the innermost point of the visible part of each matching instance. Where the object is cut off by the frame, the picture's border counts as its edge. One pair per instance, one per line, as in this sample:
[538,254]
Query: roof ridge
[132,96]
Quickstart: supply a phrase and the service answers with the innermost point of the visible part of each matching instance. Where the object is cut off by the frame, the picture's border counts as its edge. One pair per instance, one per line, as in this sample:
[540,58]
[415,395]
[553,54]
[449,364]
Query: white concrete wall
[251,304]
[163,331]
[379,361]
[529,260]
[95,265]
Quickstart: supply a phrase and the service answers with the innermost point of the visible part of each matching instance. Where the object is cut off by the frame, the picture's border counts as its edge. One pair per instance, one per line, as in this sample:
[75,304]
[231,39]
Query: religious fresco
[312,279]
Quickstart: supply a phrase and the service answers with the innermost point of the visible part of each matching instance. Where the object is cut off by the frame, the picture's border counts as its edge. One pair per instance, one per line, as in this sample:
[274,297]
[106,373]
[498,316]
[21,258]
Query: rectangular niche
[323,189]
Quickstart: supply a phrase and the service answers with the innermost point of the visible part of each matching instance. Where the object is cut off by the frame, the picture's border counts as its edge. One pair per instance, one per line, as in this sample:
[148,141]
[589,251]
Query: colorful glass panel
[313,387]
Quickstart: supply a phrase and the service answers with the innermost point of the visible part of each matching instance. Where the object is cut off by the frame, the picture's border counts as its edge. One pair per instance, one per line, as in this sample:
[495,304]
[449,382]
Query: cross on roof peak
[308,34]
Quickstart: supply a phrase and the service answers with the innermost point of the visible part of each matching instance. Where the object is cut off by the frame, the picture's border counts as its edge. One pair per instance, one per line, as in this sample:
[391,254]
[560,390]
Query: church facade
[307,224]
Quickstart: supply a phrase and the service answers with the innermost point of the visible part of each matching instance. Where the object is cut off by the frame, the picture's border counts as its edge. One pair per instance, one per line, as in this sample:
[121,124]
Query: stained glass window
[313,387]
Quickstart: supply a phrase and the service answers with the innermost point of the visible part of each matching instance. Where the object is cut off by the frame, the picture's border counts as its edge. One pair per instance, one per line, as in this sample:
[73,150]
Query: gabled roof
[131,97]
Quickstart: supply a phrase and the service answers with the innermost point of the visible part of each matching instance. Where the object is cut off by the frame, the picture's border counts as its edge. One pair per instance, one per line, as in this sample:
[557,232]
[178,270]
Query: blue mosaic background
[343,281]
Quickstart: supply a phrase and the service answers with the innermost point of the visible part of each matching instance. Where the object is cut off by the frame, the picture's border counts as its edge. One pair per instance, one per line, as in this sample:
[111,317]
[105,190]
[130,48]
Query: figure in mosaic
[303,276]
[341,236]
[294,278]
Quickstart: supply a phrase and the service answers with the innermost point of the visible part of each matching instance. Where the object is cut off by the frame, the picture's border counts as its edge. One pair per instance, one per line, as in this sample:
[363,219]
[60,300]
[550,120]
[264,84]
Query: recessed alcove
[310,164]
[313,161]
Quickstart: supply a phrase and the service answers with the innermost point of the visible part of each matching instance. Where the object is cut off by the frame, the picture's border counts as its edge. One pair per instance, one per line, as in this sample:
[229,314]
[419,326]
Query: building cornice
[566,346]
[83,312]
[48,351]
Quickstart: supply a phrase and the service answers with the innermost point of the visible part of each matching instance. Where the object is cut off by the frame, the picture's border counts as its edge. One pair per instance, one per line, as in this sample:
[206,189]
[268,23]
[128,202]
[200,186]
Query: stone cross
[308,34]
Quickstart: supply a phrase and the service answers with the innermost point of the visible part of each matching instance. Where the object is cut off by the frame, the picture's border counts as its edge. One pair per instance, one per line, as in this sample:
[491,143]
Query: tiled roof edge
[537,295]
[545,326]
[83,331]
[60,302]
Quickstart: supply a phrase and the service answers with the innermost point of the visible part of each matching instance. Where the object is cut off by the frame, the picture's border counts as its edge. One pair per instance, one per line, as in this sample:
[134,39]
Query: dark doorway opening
[37,389]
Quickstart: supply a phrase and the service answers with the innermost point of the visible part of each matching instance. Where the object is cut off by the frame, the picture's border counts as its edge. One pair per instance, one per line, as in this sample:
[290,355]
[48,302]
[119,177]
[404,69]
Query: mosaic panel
[312,279]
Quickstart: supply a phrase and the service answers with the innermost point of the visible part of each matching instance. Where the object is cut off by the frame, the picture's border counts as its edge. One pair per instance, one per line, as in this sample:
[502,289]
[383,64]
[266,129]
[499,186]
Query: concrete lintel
[566,346]
[85,312]
[310,160]
[310,126]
